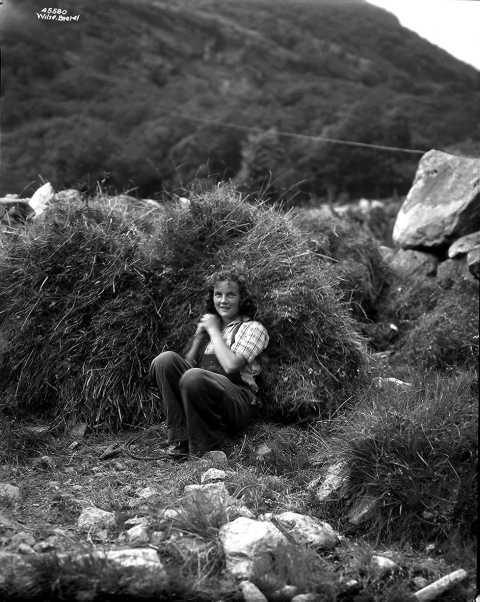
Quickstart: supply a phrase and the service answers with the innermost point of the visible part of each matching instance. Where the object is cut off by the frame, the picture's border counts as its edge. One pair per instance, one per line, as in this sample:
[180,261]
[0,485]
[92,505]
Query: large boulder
[443,203]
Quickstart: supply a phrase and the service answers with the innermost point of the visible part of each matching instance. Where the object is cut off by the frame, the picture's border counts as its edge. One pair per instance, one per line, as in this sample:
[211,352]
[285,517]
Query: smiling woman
[211,392]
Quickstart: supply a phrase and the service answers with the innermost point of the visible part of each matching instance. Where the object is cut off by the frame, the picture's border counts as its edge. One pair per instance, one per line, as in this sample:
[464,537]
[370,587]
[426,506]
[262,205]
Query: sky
[454,25]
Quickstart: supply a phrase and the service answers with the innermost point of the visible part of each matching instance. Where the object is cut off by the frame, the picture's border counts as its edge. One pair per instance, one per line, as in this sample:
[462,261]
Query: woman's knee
[192,379]
[163,360]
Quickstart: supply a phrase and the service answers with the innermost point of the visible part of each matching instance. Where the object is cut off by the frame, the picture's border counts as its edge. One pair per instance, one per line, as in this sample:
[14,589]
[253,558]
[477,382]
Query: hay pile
[91,297]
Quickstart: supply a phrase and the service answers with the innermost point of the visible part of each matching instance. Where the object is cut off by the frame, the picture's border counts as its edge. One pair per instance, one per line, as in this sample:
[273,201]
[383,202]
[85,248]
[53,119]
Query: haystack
[91,296]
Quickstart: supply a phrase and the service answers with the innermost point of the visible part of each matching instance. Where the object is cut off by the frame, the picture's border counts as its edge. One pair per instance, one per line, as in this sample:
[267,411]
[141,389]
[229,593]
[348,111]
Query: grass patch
[415,452]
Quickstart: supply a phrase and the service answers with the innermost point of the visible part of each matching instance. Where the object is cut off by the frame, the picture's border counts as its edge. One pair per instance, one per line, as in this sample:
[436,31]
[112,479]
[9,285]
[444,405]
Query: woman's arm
[230,361]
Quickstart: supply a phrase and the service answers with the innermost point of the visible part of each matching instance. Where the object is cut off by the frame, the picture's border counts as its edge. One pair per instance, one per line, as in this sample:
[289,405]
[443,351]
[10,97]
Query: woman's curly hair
[248,306]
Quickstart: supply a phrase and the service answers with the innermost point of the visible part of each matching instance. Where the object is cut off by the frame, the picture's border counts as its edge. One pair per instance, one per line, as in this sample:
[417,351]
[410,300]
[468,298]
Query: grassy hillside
[125,95]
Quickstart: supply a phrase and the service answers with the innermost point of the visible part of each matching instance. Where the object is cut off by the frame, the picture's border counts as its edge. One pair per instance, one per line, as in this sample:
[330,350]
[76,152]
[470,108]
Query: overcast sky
[454,25]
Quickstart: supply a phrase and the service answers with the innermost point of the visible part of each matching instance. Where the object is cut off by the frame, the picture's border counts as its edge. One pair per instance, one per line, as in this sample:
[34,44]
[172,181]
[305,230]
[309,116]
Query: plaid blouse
[248,342]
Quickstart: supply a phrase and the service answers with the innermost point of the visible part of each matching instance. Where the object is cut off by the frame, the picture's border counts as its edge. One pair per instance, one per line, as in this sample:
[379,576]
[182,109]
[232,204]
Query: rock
[9,494]
[263,452]
[157,537]
[147,492]
[284,594]
[382,564]
[443,203]
[464,244]
[69,195]
[381,381]
[21,538]
[408,263]
[212,475]
[251,593]
[41,198]
[473,262]
[136,520]
[210,497]
[138,534]
[46,462]
[452,270]
[251,546]
[387,253]
[47,545]
[94,519]
[171,514]
[419,582]
[24,548]
[216,457]
[332,482]
[362,510]
[307,598]
[305,530]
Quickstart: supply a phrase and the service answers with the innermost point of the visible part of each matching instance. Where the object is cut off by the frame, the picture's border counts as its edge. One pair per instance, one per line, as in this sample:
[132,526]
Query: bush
[94,299]
[415,451]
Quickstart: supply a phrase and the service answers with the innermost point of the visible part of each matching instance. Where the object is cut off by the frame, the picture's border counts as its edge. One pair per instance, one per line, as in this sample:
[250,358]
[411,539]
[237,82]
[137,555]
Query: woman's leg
[166,370]
[213,406]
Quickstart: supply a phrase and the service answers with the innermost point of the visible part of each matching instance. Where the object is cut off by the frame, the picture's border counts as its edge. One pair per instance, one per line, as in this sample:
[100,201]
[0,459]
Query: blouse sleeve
[252,339]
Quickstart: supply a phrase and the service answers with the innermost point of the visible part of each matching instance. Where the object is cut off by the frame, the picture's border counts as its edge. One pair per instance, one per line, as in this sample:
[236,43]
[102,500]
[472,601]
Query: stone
[21,538]
[451,270]
[263,452]
[284,594]
[382,381]
[41,198]
[442,204]
[251,593]
[147,492]
[251,546]
[237,510]
[473,262]
[136,520]
[382,564]
[69,195]
[464,244]
[171,514]
[138,534]
[387,253]
[209,497]
[306,530]
[325,487]
[307,598]
[46,462]
[212,475]
[9,493]
[420,582]
[157,537]
[216,457]
[93,519]
[407,263]
[24,548]
[362,510]
[47,545]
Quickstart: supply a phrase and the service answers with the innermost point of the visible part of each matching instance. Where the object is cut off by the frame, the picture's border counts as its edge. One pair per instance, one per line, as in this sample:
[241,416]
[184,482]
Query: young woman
[211,391]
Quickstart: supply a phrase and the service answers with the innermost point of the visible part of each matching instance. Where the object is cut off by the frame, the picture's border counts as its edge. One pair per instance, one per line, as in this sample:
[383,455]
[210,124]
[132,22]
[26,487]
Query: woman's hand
[210,323]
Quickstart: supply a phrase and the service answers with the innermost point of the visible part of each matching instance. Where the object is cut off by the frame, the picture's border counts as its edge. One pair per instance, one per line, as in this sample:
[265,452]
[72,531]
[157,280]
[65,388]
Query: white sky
[454,25]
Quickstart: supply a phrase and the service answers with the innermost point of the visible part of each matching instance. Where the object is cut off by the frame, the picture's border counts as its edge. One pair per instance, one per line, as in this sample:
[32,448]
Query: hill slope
[126,93]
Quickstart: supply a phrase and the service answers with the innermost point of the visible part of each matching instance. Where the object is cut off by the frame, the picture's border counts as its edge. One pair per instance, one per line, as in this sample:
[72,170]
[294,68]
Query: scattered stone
[21,538]
[78,430]
[9,493]
[251,593]
[157,537]
[362,510]
[442,204]
[409,263]
[69,195]
[171,514]
[453,269]
[216,457]
[212,475]
[119,466]
[331,483]
[41,198]
[138,534]
[306,530]
[94,519]
[210,498]
[383,565]
[24,548]
[473,262]
[284,594]
[464,244]
[46,462]
[111,451]
[306,598]
[147,492]
[47,545]
[381,381]
[420,582]
[263,452]
[387,253]
[250,546]
[136,520]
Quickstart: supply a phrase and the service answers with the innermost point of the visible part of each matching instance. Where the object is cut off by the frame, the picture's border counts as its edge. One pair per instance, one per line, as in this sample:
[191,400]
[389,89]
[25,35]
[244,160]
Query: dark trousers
[201,406]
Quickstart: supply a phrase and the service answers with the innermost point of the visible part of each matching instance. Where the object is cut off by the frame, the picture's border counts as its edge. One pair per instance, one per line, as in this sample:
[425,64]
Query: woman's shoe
[178,450]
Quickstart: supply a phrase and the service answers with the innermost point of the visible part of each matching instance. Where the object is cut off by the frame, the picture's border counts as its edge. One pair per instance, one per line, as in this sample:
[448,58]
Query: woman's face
[226,299]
